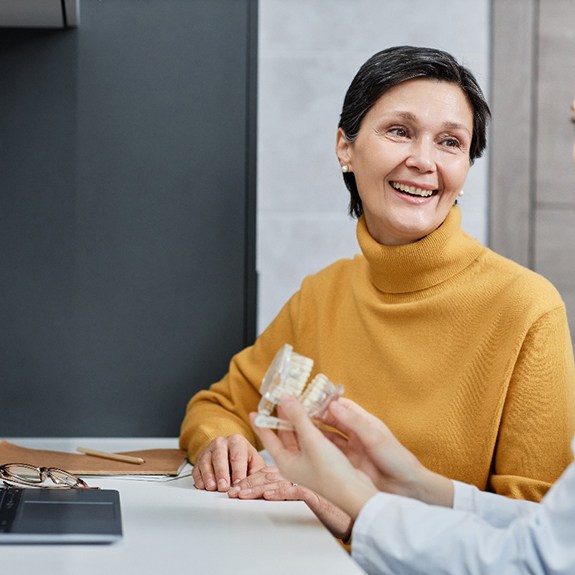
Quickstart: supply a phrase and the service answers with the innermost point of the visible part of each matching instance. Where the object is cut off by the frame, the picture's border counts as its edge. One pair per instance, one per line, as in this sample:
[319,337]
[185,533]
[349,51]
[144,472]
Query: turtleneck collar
[422,264]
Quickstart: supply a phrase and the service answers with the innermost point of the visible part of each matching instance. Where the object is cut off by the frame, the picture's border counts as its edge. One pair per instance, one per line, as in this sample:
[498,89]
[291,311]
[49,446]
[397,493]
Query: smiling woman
[464,354]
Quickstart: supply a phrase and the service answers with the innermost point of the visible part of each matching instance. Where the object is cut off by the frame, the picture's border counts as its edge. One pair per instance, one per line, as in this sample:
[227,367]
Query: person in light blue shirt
[409,520]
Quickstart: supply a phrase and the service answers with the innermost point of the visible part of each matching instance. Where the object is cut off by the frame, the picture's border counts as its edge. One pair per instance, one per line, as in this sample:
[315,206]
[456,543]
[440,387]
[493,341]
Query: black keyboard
[9,500]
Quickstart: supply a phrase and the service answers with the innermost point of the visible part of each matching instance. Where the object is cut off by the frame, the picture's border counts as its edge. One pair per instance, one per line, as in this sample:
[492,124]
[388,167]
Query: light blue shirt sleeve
[496,510]
[485,533]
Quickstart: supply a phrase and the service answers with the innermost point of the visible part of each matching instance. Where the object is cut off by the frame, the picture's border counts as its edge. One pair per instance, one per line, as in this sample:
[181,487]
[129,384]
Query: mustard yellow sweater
[464,354]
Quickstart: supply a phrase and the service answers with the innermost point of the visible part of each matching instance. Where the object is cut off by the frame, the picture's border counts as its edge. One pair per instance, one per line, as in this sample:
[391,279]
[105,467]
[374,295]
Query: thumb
[295,413]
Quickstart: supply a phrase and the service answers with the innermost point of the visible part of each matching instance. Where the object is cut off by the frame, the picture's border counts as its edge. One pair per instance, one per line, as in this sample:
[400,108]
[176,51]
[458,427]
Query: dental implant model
[287,375]
[319,394]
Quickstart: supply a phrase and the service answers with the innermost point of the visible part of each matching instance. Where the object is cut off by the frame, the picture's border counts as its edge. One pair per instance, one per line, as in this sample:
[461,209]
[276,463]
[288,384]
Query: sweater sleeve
[537,421]
[223,409]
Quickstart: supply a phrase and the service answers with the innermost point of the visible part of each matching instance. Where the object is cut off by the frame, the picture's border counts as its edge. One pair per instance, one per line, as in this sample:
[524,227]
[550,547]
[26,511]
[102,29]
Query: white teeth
[412,190]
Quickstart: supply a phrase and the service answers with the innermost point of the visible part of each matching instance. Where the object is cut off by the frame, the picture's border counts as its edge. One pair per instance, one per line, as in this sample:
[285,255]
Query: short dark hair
[393,66]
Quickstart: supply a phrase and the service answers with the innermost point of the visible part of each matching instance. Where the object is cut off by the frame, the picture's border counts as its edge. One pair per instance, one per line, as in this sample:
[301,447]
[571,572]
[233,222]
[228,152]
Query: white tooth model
[287,375]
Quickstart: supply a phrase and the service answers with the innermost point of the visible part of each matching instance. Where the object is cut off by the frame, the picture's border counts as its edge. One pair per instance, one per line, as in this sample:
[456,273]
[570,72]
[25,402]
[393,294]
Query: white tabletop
[169,526]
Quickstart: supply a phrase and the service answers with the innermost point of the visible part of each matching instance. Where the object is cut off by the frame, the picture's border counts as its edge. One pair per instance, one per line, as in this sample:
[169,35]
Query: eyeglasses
[25,475]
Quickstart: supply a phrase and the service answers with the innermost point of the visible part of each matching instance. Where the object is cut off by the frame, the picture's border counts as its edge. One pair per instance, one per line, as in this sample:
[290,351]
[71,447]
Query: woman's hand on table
[225,462]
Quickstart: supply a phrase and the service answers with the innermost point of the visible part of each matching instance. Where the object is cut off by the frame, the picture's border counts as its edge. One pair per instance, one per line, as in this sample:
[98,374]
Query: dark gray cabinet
[127,214]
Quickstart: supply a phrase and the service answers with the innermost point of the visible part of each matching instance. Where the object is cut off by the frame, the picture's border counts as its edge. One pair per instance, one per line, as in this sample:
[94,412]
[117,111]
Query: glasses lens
[23,472]
[62,477]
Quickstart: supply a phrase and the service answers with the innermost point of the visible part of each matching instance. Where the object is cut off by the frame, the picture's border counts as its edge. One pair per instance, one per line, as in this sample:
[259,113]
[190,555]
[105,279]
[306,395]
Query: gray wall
[309,51]
[532,217]
[127,258]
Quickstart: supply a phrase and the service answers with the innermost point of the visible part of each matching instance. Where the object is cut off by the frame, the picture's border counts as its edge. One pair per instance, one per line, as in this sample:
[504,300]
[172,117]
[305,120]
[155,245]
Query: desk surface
[169,526]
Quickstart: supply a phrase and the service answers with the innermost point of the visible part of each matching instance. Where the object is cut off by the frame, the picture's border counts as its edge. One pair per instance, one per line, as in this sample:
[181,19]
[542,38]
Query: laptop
[59,516]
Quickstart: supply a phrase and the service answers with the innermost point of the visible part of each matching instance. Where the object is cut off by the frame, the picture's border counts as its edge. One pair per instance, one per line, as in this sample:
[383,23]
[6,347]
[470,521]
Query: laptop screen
[59,516]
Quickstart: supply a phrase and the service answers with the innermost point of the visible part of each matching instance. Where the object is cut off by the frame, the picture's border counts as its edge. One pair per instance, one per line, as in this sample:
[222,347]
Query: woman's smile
[414,190]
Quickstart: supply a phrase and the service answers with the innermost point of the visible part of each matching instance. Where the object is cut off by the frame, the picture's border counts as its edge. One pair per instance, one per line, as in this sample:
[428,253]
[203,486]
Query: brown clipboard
[157,461]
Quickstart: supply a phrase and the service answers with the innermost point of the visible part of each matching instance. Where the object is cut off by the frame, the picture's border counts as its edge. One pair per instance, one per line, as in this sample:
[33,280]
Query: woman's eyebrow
[410,116]
[446,125]
[405,115]
[456,126]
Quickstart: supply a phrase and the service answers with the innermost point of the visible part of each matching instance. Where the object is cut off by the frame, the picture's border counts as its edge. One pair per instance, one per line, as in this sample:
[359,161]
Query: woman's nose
[421,156]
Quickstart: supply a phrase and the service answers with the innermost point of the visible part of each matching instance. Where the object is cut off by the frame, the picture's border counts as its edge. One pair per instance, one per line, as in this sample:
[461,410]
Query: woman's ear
[343,150]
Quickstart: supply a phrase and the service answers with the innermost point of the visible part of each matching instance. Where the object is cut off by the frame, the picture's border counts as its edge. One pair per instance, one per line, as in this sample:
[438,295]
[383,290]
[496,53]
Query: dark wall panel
[126,214]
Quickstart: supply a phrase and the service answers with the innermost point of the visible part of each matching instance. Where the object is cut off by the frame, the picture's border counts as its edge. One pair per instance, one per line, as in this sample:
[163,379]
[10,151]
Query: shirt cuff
[463,496]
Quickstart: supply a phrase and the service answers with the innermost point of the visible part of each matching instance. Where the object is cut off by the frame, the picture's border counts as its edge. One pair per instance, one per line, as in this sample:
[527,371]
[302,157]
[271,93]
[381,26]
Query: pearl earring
[460,193]
[345,168]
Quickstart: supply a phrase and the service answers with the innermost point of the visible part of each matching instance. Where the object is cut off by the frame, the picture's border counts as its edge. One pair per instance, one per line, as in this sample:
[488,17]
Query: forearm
[350,498]
[335,519]
[431,488]
[398,535]
[224,408]
[205,422]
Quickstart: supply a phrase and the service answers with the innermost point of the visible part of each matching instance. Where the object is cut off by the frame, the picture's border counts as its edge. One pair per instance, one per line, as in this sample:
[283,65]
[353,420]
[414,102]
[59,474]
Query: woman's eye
[452,143]
[401,132]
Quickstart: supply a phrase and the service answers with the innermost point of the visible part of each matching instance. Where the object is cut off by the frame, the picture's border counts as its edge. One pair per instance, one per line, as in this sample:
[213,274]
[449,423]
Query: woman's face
[410,158]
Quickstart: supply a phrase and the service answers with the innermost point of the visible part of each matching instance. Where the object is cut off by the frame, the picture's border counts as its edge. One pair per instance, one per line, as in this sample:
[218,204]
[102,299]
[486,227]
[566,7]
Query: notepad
[157,461]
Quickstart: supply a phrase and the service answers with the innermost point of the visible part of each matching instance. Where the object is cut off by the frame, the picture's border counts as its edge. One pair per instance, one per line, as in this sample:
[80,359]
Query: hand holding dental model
[349,468]
[366,472]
